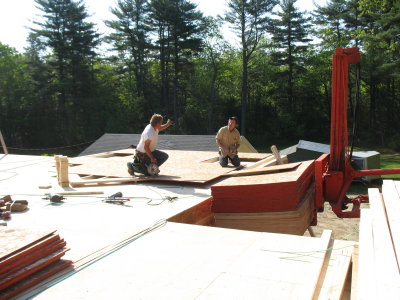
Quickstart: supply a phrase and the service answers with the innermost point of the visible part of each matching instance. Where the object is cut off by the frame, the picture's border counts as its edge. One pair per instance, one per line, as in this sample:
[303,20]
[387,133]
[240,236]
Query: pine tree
[72,41]
[290,34]
[131,38]
[179,27]
[249,19]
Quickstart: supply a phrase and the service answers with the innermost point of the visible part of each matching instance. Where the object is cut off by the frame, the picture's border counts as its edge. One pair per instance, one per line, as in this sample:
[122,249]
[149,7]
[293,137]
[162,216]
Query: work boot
[130,169]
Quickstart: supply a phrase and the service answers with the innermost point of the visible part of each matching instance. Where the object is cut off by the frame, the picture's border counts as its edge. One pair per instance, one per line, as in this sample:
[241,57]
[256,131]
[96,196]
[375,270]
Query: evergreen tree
[72,41]
[179,27]
[131,38]
[290,34]
[249,19]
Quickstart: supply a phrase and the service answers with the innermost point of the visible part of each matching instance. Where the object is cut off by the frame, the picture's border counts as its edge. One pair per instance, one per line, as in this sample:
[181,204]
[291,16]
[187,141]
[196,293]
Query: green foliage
[167,58]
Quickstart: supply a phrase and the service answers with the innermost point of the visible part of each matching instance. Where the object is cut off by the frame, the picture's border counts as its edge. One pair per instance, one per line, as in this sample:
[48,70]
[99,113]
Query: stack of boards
[27,257]
[379,244]
[281,202]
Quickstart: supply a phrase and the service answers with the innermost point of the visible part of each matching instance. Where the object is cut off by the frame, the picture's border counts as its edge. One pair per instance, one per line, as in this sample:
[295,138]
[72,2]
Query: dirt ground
[342,229]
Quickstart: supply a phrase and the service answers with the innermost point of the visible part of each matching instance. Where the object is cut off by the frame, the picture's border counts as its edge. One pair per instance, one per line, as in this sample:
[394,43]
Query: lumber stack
[379,244]
[280,202]
[279,191]
[27,257]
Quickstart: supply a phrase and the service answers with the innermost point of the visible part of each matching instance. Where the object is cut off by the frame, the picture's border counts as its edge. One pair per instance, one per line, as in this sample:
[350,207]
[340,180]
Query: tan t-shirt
[228,138]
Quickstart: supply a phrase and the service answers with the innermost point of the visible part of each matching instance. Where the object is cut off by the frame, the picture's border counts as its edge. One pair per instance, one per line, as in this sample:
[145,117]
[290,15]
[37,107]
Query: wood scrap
[277,155]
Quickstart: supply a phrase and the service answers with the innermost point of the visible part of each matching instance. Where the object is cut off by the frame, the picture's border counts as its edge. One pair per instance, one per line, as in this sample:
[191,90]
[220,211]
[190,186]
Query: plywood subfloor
[182,166]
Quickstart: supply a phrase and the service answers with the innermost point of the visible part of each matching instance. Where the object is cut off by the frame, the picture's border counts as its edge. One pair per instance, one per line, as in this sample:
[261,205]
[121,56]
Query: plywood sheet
[197,262]
[263,193]
[182,166]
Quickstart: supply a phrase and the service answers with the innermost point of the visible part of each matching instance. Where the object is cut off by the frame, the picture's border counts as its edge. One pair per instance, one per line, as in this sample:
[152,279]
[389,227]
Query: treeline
[165,56]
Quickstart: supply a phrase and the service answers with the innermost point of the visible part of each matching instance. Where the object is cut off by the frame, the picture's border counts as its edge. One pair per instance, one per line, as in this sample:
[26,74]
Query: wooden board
[392,206]
[380,259]
[338,271]
[366,284]
[33,279]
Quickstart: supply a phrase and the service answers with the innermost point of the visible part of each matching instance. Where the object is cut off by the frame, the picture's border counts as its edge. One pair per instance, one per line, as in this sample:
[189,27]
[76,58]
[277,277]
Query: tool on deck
[54,198]
[5,215]
[13,205]
[139,165]
[116,199]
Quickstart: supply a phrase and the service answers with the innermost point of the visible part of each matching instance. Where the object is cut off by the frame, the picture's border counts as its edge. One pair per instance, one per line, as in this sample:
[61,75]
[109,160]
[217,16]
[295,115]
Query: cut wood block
[275,152]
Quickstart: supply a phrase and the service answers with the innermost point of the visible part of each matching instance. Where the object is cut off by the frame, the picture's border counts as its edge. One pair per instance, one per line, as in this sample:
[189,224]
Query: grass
[389,161]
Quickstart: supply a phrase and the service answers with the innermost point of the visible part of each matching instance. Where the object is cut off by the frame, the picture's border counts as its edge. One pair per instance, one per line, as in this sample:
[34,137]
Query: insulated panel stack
[281,202]
[27,257]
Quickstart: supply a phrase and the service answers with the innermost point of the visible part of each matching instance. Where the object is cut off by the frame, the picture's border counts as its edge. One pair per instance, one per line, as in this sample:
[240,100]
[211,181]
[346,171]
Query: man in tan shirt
[228,141]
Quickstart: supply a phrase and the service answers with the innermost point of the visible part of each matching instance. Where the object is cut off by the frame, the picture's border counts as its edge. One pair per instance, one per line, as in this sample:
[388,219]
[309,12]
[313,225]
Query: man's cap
[234,118]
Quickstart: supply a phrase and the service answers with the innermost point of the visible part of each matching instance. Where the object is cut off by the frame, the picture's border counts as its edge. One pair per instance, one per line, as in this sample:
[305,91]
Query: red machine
[333,172]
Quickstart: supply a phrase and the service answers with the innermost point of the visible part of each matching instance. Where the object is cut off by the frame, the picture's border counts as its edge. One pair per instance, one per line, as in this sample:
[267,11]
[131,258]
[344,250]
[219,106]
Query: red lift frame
[333,172]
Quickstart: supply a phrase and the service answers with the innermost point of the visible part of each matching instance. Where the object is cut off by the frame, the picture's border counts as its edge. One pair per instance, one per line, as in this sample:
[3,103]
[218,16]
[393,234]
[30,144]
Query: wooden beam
[366,259]
[386,270]
[3,143]
[392,204]
[277,155]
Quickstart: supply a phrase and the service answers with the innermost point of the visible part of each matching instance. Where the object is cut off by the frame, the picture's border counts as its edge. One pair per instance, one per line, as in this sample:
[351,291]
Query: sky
[16,16]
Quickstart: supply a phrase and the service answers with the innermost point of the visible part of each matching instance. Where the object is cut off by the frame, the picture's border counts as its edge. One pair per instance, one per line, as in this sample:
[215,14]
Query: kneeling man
[228,141]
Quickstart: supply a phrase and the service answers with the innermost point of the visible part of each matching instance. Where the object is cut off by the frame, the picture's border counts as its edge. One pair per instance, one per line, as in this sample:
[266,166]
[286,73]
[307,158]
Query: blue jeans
[223,161]
[160,156]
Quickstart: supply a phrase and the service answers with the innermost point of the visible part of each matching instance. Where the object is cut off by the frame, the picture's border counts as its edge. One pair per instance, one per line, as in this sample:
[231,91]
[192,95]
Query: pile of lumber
[278,191]
[281,201]
[379,244]
[27,257]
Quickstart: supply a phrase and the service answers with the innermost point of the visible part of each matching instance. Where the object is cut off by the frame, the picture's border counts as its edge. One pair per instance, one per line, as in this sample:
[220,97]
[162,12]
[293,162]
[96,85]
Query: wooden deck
[144,250]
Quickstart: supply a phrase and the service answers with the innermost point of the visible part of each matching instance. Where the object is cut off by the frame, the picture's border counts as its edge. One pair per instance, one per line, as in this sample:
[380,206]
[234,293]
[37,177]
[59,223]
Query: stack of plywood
[27,257]
[281,202]
[379,244]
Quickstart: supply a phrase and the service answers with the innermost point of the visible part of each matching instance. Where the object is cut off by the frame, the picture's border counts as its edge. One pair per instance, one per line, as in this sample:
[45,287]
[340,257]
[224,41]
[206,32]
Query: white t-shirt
[149,133]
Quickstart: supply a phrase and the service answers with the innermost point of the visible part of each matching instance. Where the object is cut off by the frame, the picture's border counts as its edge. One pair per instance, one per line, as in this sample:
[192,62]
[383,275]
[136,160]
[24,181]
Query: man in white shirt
[146,149]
